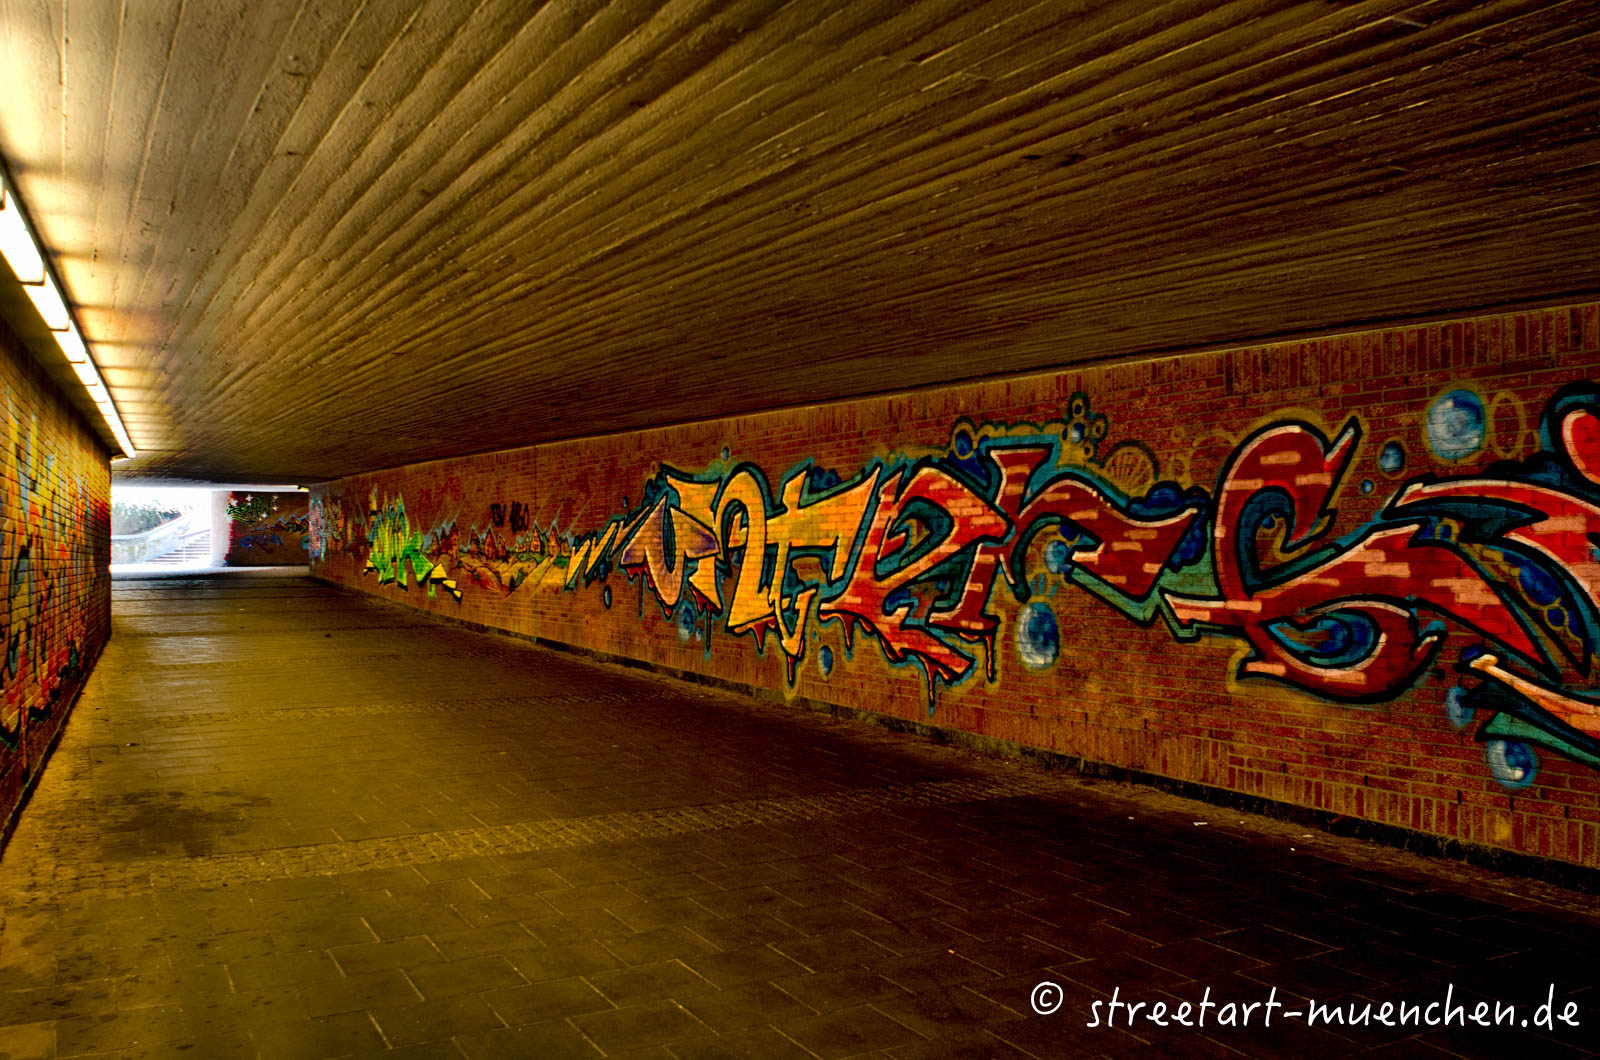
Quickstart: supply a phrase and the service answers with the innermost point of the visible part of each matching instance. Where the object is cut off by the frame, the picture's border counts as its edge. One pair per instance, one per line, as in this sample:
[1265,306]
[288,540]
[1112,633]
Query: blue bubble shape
[686,622]
[1038,639]
[1366,485]
[1511,762]
[605,596]
[825,660]
[1057,556]
[1539,584]
[1456,425]
[1392,459]
[1457,709]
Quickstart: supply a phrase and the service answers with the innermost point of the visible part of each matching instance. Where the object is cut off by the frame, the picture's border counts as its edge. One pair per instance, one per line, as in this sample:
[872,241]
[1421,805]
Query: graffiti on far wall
[945,561]
[267,528]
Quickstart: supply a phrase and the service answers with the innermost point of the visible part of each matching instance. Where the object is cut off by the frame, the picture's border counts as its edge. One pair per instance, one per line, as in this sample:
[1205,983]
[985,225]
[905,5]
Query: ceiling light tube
[16,242]
[47,299]
[25,259]
[71,344]
[115,423]
[88,374]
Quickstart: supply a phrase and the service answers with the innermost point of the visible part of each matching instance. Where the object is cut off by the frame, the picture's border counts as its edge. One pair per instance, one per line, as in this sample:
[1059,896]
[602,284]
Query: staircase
[195,551]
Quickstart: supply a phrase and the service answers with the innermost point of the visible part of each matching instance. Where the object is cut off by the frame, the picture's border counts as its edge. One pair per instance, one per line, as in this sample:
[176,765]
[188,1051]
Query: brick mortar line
[128,879]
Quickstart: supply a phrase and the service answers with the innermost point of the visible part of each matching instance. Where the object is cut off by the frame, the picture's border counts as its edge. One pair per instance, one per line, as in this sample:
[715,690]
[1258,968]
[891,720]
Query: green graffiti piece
[394,547]
[252,509]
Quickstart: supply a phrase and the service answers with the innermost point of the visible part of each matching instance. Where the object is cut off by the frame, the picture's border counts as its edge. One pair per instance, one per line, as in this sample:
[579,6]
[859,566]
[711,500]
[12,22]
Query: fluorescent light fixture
[117,429]
[71,344]
[16,242]
[47,299]
[22,254]
[88,374]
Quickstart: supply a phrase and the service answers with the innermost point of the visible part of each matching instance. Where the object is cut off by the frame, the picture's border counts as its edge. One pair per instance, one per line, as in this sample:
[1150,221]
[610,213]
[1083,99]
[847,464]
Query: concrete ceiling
[314,238]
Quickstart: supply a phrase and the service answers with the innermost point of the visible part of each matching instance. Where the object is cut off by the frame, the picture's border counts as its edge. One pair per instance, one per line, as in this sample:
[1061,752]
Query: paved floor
[289,821]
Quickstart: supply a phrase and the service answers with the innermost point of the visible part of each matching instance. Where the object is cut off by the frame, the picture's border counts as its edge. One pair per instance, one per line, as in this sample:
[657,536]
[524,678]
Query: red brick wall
[1352,573]
[266,529]
[55,546]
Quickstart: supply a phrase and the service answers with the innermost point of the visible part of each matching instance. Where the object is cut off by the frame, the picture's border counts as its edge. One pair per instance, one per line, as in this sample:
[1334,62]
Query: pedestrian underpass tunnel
[794,529]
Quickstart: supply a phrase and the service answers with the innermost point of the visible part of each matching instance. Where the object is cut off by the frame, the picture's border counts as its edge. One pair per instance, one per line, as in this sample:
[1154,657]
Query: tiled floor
[289,821]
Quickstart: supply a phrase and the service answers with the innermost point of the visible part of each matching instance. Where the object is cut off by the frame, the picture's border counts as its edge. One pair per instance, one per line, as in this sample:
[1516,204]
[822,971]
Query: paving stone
[481,941]
[110,1031]
[960,1045]
[341,1034]
[560,962]
[656,944]
[650,982]
[550,1040]
[29,1041]
[547,1000]
[739,932]
[359,992]
[830,991]
[846,1032]
[375,956]
[745,1006]
[651,1023]
[470,976]
[753,1043]
[833,950]
[433,1020]
[442,1050]
[280,969]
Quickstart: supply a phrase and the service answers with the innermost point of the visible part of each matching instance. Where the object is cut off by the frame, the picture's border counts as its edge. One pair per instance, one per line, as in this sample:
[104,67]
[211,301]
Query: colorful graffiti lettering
[251,508]
[270,535]
[277,528]
[325,526]
[396,552]
[47,557]
[906,553]
[909,552]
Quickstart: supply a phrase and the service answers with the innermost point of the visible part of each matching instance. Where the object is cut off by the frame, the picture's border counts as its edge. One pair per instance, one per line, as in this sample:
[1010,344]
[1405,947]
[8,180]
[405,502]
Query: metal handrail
[153,543]
[153,531]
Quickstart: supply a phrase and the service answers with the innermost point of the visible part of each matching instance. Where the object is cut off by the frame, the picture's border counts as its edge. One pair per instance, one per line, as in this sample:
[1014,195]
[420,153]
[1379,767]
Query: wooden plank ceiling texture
[311,238]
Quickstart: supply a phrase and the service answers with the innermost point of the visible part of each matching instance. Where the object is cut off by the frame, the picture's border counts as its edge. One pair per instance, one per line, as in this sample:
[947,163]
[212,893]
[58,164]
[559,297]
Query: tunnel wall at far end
[1355,574]
[266,528]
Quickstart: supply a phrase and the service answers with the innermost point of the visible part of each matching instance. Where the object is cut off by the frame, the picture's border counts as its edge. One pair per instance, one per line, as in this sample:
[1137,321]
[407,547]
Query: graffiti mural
[267,528]
[946,562]
[907,552]
[51,567]
[396,553]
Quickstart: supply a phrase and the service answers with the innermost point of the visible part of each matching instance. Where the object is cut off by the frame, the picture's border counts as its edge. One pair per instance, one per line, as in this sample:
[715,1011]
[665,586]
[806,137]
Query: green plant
[137,518]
